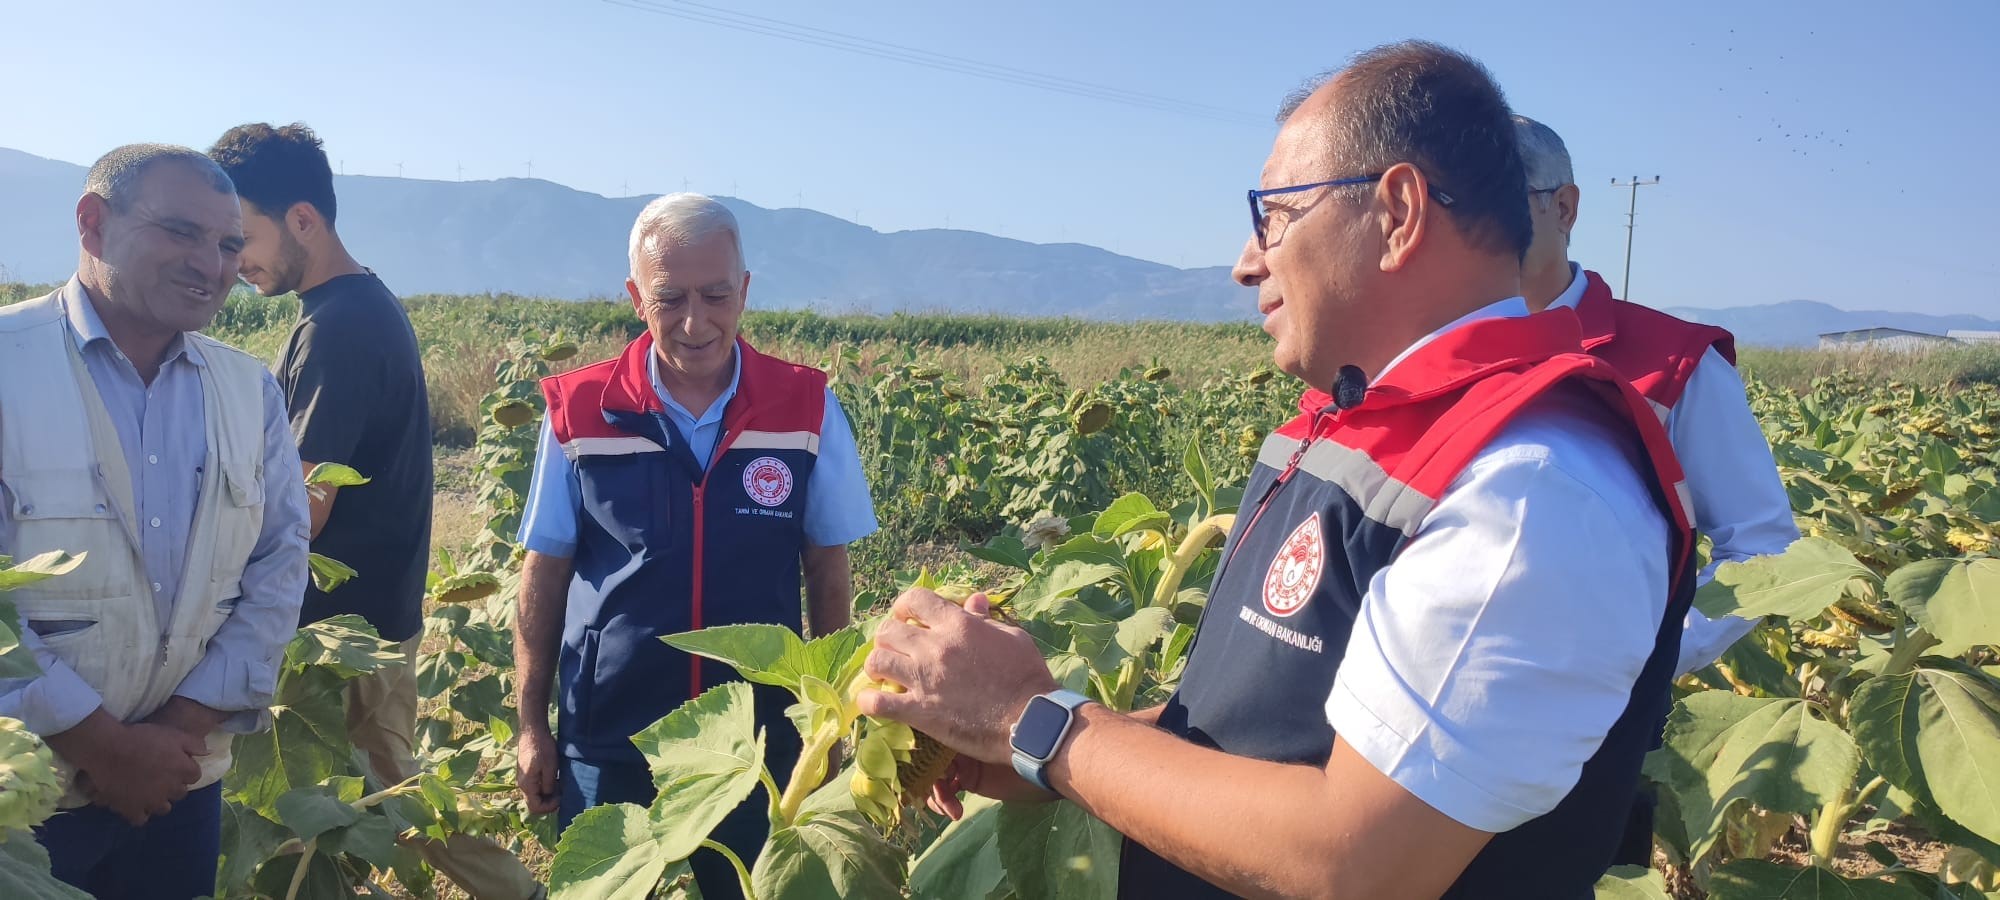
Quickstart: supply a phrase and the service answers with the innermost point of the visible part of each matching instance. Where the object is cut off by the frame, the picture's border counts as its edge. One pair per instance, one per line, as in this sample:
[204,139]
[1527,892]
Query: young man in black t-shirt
[353,380]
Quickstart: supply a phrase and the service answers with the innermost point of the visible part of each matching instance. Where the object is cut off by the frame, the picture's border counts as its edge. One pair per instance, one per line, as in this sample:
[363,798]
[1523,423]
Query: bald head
[1437,109]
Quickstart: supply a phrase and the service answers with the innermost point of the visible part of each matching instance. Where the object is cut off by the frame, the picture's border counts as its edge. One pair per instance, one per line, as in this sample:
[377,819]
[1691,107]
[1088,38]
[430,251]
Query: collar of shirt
[1508,308]
[714,412]
[88,328]
[1572,295]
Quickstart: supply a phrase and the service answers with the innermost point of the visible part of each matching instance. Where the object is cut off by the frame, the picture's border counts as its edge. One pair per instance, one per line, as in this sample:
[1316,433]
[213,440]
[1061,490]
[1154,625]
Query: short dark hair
[275,168]
[1440,110]
[116,175]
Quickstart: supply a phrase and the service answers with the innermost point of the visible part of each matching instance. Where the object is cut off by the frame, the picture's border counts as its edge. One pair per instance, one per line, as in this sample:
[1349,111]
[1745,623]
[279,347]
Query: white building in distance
[1889,339]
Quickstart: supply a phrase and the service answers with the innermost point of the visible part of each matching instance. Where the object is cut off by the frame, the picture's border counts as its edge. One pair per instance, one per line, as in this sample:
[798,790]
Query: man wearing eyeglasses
[1687,372]
[1442,630]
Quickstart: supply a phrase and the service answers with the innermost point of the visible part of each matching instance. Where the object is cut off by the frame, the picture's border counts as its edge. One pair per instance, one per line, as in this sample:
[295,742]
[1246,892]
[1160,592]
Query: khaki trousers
[382,722]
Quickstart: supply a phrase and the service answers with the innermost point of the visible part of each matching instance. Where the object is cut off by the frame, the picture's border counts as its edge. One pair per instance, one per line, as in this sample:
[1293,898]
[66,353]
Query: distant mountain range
[1799,323]
[538,238]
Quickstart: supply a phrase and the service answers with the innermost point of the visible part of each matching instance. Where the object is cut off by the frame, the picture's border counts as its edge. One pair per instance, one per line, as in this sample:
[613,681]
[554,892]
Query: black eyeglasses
[1259,221]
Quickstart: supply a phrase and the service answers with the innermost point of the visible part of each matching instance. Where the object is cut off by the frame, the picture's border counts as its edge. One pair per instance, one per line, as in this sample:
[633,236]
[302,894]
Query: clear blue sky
[1841,151]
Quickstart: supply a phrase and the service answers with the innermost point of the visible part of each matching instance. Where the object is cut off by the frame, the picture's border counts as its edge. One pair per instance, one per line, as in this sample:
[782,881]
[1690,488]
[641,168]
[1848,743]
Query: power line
[819,37]
[1631,219]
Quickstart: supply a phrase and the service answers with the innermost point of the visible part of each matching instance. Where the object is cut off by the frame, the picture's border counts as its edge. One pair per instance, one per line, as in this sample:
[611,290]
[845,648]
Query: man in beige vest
[166,458]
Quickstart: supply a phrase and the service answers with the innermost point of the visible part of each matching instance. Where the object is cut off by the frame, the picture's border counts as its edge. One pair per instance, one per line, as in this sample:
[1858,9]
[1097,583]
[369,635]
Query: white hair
[1543,152]
[679,219]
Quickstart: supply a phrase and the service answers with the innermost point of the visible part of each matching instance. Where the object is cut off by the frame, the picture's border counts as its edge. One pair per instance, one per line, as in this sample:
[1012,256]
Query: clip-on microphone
[1350,387]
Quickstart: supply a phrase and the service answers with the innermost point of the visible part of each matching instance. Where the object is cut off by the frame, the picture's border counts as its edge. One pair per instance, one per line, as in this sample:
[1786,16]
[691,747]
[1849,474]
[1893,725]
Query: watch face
[1041,725]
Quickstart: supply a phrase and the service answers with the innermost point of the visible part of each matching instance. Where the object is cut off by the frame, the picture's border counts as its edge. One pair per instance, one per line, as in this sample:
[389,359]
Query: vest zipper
[700,521]
[1298,456]
[694,662]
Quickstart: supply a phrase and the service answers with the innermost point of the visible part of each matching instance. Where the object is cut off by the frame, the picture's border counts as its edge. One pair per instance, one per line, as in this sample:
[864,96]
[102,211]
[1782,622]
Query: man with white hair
[689,482]
[1687,371]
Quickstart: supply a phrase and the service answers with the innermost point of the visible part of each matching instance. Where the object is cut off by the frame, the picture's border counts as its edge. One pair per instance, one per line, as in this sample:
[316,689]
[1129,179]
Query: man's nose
[1250,269]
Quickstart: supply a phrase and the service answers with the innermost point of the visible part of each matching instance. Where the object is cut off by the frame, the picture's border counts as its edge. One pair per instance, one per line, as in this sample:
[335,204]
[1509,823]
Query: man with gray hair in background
[689,482]
[165,459]
[1686,370]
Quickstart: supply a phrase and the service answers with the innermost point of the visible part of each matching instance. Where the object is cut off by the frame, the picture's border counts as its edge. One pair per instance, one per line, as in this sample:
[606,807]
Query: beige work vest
[66,475]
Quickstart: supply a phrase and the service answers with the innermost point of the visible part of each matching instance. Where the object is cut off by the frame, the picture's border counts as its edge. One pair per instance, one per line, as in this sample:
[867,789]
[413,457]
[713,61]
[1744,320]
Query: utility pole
[684,184]
[1631,217]
[461,171]
[531,168]
[399,170]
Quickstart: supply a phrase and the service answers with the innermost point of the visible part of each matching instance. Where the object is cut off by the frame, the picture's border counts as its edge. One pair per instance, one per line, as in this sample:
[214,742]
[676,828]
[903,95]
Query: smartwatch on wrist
[1040,732]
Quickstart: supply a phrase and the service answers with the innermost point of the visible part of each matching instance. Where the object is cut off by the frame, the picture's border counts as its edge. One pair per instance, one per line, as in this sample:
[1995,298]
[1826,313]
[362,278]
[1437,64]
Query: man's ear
[92,213]
[303,219]
[632,290]
[1404,194]
[1566,200]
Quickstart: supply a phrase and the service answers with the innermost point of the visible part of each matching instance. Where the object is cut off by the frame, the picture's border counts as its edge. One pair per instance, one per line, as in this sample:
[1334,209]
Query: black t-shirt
[354,382]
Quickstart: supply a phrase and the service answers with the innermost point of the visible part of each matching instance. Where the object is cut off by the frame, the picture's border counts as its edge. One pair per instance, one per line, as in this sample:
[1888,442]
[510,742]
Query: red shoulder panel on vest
[771,394]
[775,395]
[1656,351]
[579,390]
[1433,414]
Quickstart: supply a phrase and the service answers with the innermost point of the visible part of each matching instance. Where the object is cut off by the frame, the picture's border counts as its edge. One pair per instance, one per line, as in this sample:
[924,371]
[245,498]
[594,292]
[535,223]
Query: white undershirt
[1490,658]
[1493,655]
[1739,501]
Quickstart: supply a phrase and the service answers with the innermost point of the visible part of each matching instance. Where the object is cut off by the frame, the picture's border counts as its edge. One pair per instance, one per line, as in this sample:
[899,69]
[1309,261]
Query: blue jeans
[583,785]
[171,857]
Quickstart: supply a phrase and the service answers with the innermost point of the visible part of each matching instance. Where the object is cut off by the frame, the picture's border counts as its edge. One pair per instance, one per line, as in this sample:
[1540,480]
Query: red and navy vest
[1655,351]
[668,543]
[1336,494]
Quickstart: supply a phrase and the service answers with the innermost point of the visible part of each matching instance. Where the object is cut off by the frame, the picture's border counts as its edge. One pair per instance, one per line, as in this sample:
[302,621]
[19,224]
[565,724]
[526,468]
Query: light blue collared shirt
[838,508]
[162,430]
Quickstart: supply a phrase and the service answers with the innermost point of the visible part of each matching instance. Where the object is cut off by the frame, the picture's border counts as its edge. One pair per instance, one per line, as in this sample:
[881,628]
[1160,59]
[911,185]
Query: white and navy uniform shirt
[1520,628]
